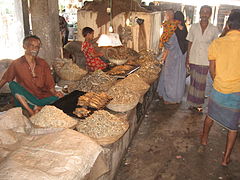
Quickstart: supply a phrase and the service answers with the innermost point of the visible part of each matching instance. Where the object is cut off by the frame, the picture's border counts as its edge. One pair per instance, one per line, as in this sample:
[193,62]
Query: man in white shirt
[200,36]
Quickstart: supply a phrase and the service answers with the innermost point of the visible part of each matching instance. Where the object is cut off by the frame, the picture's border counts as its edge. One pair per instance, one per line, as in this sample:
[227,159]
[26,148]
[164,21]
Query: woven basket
[71,72]
[121,107]
[110,140]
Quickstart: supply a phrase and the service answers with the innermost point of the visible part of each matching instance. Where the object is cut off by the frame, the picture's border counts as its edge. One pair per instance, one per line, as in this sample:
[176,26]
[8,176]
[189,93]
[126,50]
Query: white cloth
[200,42]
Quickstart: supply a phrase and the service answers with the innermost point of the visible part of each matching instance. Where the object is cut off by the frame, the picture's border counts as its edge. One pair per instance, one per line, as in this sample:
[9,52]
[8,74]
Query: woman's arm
[164,54]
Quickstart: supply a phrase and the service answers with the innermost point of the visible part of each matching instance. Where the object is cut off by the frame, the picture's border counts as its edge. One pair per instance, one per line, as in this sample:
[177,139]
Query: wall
[146,35]
[224,10]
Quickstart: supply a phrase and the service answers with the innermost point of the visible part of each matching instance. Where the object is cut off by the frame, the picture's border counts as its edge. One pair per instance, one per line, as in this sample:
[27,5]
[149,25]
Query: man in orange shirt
[34,86]
[224,100]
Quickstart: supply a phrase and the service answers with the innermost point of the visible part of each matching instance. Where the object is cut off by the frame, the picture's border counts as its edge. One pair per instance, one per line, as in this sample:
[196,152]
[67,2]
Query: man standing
[200,36]
[63,30]
[224,100]
[34,86]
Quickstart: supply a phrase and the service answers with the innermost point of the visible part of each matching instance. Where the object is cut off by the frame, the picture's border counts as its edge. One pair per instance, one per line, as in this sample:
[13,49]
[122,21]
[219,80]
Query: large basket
[121,107]
[71,72]
[110,140]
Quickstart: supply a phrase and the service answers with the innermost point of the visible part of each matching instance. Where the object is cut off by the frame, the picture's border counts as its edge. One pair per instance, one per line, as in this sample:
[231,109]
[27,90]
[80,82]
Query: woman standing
[171,85]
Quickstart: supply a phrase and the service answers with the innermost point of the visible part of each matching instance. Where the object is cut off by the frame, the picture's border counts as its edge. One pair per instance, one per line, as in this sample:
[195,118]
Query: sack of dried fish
[50,116]
[124,99]
[134,83]
[149,73]
[70,71]
[94,100]
[103,127]
[98,81]
[145,57]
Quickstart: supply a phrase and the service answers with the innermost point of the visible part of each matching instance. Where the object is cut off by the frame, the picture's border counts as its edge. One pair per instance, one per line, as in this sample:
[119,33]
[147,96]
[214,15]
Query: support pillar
[25,12]
[45,24]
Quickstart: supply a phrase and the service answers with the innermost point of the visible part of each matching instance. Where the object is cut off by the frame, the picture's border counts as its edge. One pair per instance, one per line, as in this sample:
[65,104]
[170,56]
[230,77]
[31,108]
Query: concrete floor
[166,147]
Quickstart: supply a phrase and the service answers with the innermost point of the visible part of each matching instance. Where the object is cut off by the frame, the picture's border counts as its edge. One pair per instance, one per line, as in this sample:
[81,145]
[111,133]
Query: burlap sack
[64,155]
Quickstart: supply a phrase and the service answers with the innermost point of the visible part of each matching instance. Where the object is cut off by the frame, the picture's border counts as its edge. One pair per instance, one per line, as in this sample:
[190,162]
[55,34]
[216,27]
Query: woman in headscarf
[172,80]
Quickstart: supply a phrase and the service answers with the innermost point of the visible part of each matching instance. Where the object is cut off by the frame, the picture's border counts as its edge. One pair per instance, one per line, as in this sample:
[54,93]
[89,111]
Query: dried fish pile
[50,116]
[121,69]
[98,81]
[121,53]
[134,83]
[146,57]
[71,71]
[94,100]
[149,73]
[124,99]
[102,124]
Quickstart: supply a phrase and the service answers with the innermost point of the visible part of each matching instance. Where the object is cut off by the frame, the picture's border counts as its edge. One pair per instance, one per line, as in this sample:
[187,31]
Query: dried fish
[81,112]
[121,69]
[94,100]
[149,72]
[134,83]
[102,124]
[50,116]
[124,99]
[98,81]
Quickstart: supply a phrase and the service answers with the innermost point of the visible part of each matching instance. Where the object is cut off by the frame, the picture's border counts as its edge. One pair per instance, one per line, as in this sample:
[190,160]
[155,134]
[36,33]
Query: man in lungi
[224,100]
[200,36]
[34,86]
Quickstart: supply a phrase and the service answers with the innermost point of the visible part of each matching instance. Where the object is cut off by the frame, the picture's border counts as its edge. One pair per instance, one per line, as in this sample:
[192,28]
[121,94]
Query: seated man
[34,86]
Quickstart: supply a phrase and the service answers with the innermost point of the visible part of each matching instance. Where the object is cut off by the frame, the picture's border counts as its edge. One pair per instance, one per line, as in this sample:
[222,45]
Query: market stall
[100,108]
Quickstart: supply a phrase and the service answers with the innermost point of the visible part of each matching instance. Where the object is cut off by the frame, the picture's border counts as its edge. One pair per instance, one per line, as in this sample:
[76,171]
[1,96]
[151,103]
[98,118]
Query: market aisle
[166,147]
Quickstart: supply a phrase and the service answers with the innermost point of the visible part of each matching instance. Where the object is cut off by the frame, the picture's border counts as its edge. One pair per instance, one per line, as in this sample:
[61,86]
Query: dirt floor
[166,147]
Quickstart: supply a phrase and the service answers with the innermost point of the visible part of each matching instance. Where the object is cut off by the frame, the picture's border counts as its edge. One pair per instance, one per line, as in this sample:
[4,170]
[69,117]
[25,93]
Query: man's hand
[59,94]
[56,93]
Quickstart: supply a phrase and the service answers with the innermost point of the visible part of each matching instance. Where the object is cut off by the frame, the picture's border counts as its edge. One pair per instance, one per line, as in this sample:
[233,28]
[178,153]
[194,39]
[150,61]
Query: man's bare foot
[37,109]
[225,161]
